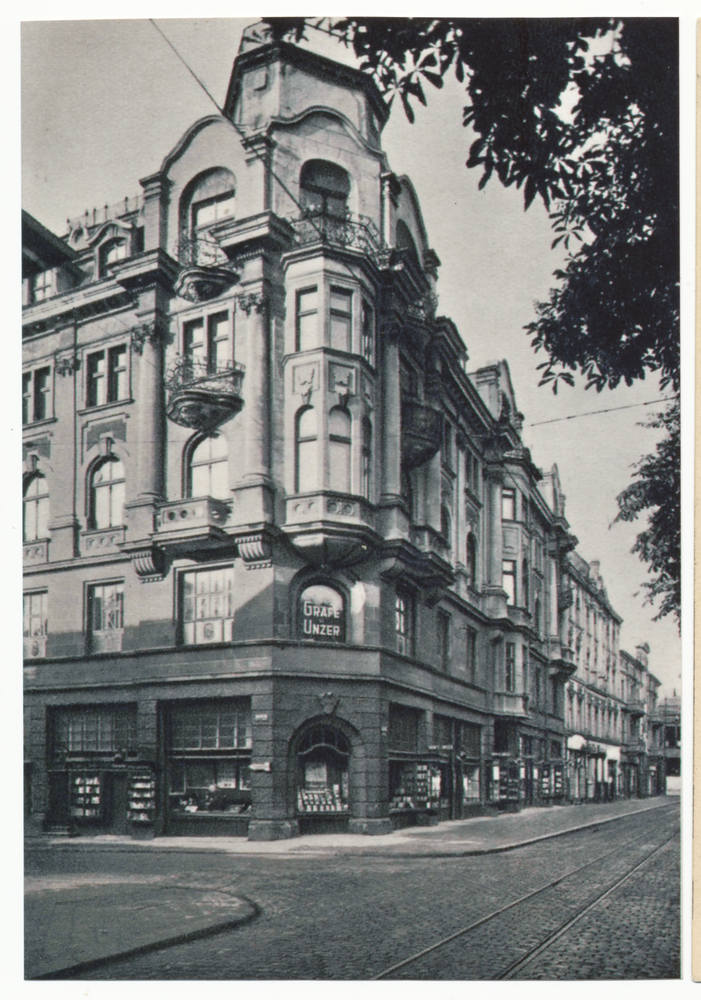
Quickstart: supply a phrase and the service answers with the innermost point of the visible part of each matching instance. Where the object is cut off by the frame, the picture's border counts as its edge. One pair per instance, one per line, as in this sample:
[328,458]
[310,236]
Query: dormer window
[324,189]
[209,199]
[110,253]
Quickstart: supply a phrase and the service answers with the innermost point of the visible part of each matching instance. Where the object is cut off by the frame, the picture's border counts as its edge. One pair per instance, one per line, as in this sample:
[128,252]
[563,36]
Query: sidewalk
[72,921]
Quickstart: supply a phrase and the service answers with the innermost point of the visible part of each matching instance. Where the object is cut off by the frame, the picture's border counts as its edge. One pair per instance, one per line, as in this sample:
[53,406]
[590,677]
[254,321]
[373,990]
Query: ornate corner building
[288,565]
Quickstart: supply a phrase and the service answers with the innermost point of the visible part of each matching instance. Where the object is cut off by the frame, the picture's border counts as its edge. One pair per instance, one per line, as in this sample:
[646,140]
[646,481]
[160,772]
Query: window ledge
[105,406]
[39,423]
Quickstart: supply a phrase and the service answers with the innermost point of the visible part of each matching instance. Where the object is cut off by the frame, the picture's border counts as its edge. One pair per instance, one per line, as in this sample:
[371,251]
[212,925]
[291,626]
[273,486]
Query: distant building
[643,771]
[288,566]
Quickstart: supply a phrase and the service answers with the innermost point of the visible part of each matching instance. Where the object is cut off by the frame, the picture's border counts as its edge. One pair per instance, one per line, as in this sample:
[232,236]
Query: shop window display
[209,758]
[323,784]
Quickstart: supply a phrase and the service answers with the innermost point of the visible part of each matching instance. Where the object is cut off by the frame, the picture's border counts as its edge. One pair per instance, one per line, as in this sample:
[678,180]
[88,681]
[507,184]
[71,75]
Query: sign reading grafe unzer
[321,615]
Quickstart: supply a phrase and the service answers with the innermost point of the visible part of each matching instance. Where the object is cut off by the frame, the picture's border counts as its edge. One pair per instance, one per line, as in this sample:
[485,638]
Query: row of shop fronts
[205,773]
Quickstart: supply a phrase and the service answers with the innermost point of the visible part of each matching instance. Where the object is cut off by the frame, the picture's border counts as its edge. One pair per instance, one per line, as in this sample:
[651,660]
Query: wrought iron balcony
[421,432]
[201,396]
[351,232]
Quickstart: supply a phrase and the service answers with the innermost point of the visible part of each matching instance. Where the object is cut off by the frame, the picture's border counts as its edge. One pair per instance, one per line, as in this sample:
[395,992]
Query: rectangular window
[368,345]
[93,730]
[403,623]
[340,319]
[471,653]
[35,614]
[219,343]
[403,733]
[508,505]
[106,616]
[107,376]
[215,726]
[508,578]
[510,667]
[447,445]
[307,319]
[443,629]
[208,605]
[36,395]
[42,286]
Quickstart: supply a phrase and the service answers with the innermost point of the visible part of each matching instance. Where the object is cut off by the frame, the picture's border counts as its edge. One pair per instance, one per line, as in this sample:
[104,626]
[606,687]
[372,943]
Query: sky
[104,101]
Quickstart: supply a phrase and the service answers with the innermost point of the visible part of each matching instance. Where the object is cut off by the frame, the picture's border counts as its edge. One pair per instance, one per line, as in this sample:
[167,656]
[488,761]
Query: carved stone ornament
[68,364]
[248,301]
[144,333]
[148,563]
[199,284]
[306,379]
[255,550]
[329,702]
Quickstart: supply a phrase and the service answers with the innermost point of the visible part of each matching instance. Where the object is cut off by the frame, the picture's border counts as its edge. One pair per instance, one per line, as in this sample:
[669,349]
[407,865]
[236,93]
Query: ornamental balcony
[511,704]
[635,707]
[421,432]
[330,528]
[184,524]
[351,232]
[202,397]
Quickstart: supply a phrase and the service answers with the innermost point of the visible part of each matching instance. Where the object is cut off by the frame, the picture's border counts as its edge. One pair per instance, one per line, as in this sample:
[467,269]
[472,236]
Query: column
[391,416]
[253,489]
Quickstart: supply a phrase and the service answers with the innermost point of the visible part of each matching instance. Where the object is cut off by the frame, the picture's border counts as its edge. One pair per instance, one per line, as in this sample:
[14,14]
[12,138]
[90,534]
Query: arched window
[471,560]
[110,252]
[324,188]
[106,508]
[340,449]
[35,510]
[210,199]
[306,451]
[208,469]
[367,457]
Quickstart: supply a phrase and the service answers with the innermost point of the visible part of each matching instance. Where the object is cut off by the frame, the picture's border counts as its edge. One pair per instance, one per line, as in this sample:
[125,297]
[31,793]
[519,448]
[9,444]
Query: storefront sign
[260,717]
[321,615]
[261,766]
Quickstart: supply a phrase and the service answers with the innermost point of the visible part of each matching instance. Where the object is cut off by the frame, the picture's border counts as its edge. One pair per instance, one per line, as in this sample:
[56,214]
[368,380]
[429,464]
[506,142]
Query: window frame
[404,622]
[510,667]
[368,332]
[508,503]
[509,574]
[109,490]
[190,463]
[334,313]
[471,652]
[227,621]
[346,441]
[210,357]
[443,629]
[37,398]
[302,314]
[104,388]
[103,640]
[35,502]
[307,439]
[27,616]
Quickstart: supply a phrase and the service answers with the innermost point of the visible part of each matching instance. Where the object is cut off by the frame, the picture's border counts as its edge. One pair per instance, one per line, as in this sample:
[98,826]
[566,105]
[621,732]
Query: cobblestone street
[351,918]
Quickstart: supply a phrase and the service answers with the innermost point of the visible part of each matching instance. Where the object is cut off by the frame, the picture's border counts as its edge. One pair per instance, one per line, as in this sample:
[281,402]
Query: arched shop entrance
[322,756]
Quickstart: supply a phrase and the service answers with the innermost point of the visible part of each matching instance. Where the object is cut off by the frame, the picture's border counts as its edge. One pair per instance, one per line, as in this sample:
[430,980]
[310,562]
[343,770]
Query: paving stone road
[350,918]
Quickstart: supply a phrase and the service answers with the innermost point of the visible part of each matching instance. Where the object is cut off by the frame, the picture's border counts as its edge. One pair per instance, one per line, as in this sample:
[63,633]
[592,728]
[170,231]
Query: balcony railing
[351,232]
[511,703]
[202,396]
[636,706]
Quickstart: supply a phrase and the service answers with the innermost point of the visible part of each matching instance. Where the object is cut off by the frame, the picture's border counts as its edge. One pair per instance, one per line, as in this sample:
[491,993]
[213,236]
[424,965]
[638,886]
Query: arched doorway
[322,756]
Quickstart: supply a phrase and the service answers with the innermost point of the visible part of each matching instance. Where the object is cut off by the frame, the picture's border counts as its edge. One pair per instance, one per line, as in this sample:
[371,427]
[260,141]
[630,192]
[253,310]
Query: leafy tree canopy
[582,113]
[656,490]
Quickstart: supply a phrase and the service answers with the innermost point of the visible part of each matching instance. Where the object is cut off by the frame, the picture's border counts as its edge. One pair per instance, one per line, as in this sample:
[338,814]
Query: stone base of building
[273,829]
[370,827]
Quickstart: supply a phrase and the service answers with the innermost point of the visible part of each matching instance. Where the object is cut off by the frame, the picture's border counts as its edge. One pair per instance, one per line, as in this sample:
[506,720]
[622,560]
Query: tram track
[514,967]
